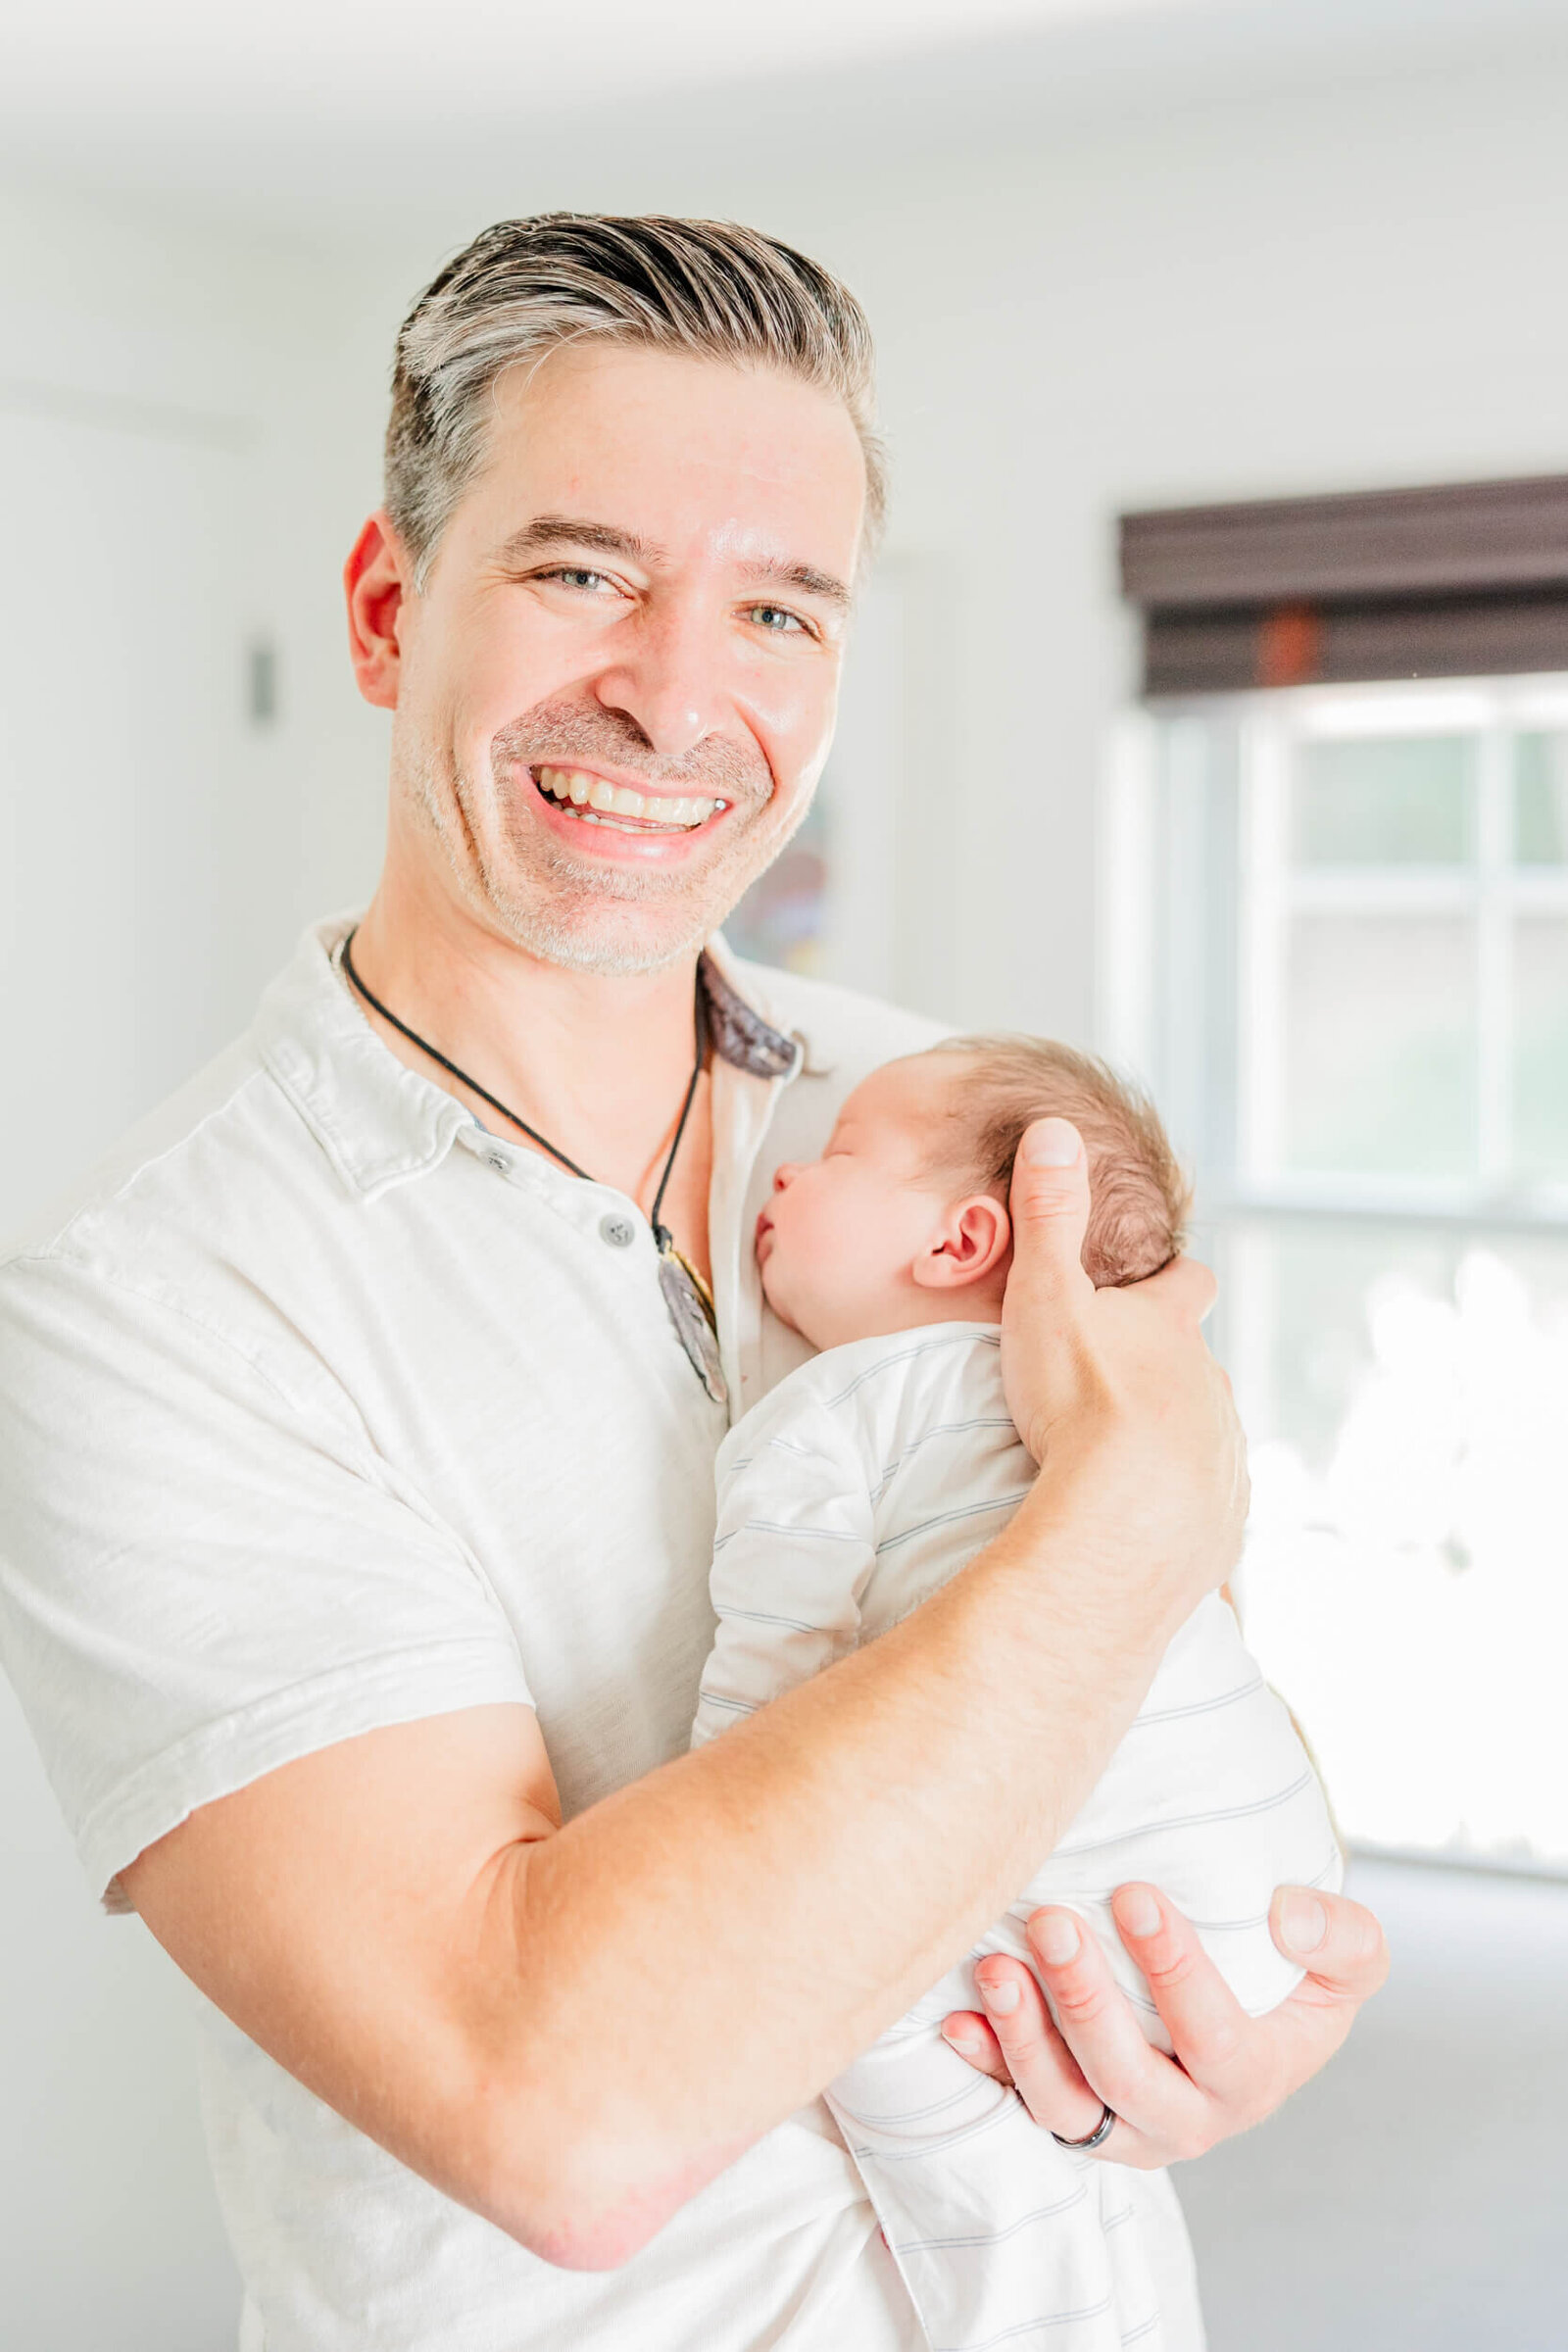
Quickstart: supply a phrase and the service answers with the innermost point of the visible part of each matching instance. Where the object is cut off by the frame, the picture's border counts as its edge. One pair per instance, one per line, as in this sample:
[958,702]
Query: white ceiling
[95,58]
[331,116]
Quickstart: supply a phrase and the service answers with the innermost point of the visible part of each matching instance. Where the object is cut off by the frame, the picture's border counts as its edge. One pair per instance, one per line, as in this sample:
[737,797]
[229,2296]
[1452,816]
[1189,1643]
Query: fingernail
[1002,1999]
[1057,1939]
[1304,1923]
[965,2043]
[1137,1911]
[1051,1144]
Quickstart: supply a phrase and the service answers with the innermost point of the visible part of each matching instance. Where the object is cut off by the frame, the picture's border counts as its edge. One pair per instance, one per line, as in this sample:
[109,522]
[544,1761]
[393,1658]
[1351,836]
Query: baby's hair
[1139,1197]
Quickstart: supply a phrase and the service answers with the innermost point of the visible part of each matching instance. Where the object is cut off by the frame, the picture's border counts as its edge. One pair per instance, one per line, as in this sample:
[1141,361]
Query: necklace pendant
[691,1310]
[703,1294]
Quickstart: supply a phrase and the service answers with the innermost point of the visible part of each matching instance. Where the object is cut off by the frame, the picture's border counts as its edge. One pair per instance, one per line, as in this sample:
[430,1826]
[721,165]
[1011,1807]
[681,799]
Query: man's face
[617,690]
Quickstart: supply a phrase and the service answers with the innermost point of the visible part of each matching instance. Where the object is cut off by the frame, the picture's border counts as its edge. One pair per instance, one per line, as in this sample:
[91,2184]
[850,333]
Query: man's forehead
[654,452]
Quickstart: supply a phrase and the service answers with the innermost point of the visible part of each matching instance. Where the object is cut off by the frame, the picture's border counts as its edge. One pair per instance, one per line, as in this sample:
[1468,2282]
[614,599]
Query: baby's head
[904,1219]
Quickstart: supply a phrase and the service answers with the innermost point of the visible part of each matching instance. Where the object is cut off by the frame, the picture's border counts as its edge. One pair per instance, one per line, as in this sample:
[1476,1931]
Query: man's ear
[378,583]
[971,1244]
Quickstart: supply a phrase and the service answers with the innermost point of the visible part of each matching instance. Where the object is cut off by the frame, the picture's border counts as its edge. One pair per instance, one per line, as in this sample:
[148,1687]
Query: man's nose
[668,679]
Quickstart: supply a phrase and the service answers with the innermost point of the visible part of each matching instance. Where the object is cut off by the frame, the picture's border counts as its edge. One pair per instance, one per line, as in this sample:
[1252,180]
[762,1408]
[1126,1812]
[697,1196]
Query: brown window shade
[1466,579]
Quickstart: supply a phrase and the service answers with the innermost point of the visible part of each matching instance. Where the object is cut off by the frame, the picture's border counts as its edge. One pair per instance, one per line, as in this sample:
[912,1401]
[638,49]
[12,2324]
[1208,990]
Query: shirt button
[618,1232]
[496,1160]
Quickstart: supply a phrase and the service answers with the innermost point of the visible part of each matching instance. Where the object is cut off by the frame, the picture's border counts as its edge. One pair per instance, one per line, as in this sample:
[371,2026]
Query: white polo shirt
[323,1409]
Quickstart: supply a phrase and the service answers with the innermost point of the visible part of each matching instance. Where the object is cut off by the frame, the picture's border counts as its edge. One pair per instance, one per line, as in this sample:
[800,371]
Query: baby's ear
[969,1245]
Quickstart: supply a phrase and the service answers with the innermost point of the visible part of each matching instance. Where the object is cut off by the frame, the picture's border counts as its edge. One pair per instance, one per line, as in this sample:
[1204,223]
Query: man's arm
[545,2021]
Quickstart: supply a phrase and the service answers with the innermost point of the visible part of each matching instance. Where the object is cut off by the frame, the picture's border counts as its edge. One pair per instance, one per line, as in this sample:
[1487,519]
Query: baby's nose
[785,1175]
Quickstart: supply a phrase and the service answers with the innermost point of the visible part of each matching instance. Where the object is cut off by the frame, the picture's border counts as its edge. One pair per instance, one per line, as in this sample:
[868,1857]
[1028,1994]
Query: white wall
[172,489]
[1356,289]
[1313,289]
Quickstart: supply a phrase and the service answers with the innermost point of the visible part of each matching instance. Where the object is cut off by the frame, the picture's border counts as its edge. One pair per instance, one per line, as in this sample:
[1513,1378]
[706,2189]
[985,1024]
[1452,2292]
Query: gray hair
[711,289]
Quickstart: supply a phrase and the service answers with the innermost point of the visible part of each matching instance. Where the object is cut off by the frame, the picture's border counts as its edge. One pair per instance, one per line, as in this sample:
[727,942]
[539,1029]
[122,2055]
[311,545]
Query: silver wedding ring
[1096,2139]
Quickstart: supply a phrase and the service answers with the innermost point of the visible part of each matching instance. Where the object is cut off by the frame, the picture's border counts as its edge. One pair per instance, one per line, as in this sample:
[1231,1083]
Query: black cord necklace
[687,1296]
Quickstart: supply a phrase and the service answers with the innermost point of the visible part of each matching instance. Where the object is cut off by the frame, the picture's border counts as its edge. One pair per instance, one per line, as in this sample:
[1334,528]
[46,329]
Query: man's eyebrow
[803,577]
[574,530]
[547,531]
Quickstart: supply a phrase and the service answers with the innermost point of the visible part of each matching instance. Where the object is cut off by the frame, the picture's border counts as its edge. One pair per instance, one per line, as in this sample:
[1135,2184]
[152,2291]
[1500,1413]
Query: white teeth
[591,794]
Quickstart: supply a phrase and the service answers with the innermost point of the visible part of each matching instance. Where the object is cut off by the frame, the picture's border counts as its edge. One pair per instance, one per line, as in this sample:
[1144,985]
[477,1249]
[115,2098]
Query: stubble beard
[585,913]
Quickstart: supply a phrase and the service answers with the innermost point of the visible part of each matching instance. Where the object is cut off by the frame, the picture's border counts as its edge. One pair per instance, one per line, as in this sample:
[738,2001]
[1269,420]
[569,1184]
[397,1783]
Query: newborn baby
[854,1490]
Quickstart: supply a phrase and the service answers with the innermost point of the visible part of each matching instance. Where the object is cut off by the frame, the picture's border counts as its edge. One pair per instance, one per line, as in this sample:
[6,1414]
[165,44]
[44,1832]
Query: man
[360,1415]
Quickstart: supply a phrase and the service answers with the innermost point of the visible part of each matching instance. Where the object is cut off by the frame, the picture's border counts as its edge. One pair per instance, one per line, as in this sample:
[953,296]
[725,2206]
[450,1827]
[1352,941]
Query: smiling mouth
[590,800]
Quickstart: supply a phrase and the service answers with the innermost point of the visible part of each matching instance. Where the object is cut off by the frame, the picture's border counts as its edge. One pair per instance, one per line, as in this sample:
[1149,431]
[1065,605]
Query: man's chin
[630,925]
[614,941]
[615,958]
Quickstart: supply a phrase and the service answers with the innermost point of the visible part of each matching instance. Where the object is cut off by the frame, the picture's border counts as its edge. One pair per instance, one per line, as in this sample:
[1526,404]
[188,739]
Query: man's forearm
[697,1954]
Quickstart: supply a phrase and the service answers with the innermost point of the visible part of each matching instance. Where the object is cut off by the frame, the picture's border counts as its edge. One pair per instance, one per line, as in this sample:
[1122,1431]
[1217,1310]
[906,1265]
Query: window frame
[1490,889]
[1173,982]
[1194,895]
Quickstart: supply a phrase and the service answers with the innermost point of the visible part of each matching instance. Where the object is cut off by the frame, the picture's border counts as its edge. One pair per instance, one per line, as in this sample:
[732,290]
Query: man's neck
[597,1062]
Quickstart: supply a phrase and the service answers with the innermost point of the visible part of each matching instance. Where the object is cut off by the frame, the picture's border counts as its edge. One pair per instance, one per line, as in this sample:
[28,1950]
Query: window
[1339,950]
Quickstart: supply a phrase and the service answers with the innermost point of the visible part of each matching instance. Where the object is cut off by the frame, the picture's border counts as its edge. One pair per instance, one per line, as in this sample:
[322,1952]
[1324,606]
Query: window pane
[1380,1045]
[1541,1048]
[1384,801]
[1403,1581]
[1540,800]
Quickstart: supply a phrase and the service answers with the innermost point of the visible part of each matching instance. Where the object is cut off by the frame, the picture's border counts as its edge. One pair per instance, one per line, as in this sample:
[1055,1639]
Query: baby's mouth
[590,800]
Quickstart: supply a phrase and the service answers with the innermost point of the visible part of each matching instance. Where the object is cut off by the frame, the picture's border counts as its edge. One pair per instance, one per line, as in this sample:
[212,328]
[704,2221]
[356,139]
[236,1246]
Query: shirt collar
[740,1032]
[379,1122]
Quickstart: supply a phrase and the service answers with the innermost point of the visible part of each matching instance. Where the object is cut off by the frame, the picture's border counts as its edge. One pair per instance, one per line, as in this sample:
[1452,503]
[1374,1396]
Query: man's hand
[1116,1395]
[1229,2072]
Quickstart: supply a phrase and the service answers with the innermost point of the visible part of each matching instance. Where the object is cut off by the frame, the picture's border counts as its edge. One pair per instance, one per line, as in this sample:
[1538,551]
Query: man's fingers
[1079,2046]
[1340,1943]
[969,2034]
[1050,1207]
[1210,2030]
[1043,2071]
[1046,1307]
[1346,1963]
[1152,2096]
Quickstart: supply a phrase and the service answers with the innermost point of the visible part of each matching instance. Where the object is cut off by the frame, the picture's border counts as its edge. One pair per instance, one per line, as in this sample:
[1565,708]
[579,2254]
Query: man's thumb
[1050,1203]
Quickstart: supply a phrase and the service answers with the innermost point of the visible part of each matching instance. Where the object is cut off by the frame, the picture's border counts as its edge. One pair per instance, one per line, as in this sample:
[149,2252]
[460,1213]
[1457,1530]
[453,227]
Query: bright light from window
[1359,1025]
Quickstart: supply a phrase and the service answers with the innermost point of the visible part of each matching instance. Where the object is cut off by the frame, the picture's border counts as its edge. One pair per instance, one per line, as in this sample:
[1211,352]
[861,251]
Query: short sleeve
[204,1574]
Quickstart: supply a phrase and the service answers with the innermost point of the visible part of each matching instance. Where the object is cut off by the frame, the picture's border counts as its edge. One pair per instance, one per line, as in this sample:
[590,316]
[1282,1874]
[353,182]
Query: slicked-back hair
[708,289]
[1139,1200]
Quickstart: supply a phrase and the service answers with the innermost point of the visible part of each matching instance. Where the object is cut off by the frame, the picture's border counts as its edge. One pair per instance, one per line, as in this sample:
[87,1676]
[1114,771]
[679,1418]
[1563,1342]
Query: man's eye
[570,576]
[775,618]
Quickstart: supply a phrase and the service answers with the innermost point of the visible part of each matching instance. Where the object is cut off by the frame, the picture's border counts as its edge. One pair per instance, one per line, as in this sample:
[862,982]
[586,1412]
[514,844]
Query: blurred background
[1174,726]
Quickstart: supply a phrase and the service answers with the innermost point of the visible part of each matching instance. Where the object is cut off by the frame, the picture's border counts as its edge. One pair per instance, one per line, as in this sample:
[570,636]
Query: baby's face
[837,1242]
